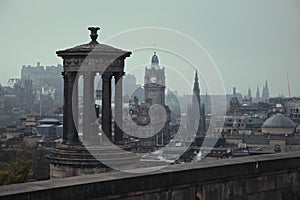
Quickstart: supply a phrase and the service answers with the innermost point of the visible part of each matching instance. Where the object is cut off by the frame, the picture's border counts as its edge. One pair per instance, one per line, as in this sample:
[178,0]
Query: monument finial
[94,34]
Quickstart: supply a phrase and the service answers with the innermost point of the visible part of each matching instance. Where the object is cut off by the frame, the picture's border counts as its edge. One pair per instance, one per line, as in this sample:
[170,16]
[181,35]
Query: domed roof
[278,121]
[154,59]
[93,45]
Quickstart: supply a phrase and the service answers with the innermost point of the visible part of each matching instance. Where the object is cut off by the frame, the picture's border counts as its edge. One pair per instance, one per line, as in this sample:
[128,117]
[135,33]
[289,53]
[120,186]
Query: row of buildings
[33,131]
[38,91]
[247,119]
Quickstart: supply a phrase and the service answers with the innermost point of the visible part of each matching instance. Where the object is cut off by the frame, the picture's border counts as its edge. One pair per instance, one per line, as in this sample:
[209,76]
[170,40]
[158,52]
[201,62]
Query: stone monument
[73,156]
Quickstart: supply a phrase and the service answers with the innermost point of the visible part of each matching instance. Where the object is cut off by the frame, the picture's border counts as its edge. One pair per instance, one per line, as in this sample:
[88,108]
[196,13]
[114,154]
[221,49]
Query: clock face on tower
[153,79]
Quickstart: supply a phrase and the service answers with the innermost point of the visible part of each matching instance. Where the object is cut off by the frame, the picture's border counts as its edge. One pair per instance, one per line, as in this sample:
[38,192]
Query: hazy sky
[250,41]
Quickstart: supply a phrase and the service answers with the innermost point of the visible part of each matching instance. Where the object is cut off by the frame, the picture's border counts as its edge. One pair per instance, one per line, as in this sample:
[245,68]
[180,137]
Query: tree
[16,172]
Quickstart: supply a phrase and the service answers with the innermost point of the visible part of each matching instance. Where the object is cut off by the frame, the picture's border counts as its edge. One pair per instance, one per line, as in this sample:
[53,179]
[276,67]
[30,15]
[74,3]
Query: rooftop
[93,45]
[278,121]
[53,120]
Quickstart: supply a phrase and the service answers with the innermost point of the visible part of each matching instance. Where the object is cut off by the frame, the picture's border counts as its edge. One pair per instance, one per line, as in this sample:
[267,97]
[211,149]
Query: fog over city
[249,41]
[150,99]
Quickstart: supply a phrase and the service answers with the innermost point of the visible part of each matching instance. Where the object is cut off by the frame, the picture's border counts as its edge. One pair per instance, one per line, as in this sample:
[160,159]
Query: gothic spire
[265,94]
[196,104]
[257,93]
[267,89]
[196,89]
[249,93]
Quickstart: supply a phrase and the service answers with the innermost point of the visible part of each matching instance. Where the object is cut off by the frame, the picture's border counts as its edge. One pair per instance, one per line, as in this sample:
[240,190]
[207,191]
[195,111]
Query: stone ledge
[114,184]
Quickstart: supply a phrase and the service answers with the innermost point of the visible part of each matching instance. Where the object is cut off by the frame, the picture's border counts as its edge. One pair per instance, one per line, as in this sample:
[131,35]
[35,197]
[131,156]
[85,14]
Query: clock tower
[158,124]
[154,82]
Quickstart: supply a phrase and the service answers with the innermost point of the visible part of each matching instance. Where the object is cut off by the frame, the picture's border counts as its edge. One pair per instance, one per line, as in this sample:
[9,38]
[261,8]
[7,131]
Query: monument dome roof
[94,46]
[278,121]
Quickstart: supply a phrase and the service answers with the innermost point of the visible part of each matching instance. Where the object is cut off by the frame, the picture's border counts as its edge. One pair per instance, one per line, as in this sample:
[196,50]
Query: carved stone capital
[106,76]
[118,75]
[69,76]
[88,75]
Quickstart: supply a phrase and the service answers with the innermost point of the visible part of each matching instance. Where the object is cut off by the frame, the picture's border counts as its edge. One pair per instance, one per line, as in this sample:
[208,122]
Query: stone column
[118,108]
[90,132]
[75,102]
[70,134]
[106,104]
[94,126]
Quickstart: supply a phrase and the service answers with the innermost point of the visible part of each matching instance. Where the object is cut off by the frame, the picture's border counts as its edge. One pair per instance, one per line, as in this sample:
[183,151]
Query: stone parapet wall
[280,131]
[273,177]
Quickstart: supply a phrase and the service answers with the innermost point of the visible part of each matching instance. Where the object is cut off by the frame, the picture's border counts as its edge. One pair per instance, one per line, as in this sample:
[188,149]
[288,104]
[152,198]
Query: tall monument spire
[196,105]
[196,89]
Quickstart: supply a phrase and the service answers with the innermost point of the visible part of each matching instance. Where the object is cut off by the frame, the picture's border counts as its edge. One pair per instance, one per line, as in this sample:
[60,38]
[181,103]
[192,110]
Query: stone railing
[273,177]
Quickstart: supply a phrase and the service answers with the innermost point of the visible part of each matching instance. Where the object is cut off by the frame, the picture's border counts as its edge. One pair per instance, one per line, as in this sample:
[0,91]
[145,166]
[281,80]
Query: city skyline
[250,42]
[140,82]
[146,133]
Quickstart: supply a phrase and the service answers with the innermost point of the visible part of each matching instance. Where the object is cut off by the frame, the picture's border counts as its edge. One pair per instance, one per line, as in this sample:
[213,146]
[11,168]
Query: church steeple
[257,93]
[265,93]
[249,93]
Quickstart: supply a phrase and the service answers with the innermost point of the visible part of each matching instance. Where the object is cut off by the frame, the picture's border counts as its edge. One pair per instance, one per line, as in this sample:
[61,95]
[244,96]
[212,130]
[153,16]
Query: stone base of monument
[76,160]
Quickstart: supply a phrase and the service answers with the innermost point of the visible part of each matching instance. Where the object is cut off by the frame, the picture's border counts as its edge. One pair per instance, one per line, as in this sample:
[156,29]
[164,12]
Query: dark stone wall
[251,178]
